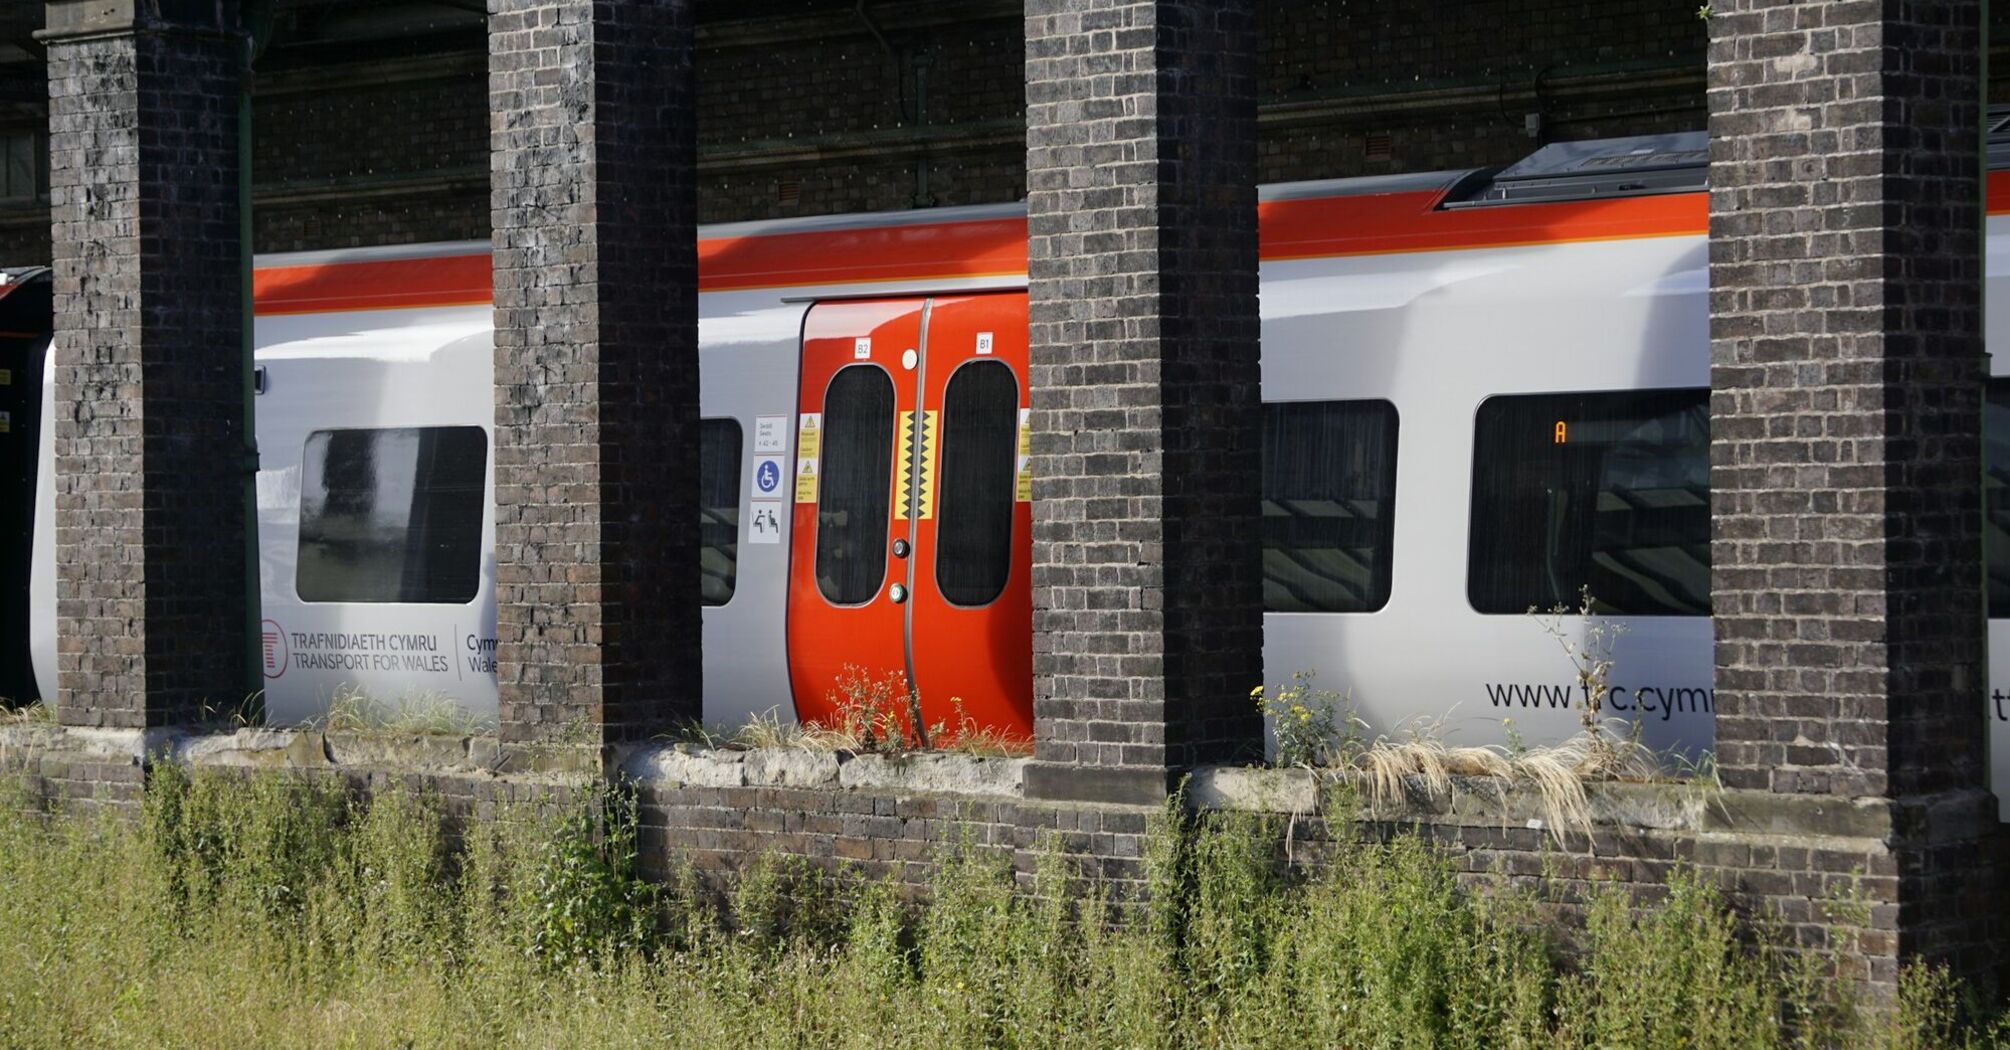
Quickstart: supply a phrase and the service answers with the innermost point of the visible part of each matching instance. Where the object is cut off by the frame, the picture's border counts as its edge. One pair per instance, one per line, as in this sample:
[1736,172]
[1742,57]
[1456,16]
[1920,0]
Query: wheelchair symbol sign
[768,476]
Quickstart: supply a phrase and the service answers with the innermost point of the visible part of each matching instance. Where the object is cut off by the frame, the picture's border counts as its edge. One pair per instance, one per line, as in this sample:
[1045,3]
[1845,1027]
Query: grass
[268,912]
[352,710]
[875,714]
[35,712]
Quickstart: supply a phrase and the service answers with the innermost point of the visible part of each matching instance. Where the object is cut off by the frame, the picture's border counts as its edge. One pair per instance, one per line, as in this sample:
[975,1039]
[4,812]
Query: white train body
[1433,324]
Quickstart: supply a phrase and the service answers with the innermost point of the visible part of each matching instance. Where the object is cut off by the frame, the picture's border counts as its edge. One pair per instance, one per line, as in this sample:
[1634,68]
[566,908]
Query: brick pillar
[1147,574]
[150,416]
[1847,377]
[596,349]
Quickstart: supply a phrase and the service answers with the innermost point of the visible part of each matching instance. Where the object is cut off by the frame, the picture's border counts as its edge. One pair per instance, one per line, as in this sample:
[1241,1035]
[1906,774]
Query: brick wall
[149,432]
[596,350]
[1846,409]
[797,116]
[798,111]
[1147,608]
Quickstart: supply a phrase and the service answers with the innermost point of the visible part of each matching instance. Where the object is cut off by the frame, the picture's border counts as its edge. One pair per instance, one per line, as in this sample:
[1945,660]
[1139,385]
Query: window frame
[738,474]
[485,506]
[1387,526]
[823,481]
[942,469]
[1474,475]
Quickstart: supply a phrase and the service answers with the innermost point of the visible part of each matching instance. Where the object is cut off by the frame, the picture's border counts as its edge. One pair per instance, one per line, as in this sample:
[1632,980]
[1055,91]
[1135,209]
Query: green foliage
[1307,722]
[258,911]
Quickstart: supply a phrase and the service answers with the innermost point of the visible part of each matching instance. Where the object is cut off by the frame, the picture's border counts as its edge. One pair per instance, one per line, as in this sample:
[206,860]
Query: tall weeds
[259,911]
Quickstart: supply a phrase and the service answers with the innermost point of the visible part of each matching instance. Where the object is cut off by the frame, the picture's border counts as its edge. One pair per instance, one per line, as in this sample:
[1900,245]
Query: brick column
[596,348]
[150,416]
[1147,575]
[1847,376]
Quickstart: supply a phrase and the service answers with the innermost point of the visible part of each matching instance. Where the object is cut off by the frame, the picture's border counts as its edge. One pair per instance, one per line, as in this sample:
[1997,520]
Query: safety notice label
[771,435]
[808,436]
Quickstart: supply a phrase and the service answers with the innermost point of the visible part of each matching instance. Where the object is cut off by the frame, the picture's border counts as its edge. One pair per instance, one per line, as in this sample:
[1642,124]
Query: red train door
[970,623]
[912,541]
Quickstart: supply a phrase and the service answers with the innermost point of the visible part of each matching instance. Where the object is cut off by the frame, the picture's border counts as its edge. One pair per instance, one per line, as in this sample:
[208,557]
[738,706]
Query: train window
[980,457]
[857,468]
[1996,496]
[392,515]
[1606,491]
[1329,489]
[718,508]
[22,166]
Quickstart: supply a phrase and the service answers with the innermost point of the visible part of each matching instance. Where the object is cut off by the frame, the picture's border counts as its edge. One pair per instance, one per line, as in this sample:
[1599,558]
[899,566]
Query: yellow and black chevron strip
[925,454]
[903,467]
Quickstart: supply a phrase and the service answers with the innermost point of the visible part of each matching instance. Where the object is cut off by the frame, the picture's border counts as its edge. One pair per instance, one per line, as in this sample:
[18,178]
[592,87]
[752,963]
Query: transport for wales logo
[275,654]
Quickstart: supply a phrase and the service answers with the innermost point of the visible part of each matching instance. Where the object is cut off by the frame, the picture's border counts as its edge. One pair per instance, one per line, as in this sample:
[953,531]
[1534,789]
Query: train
[1485,393]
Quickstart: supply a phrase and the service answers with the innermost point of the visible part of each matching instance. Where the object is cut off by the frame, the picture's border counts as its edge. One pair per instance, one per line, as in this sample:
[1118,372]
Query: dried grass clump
[1391,773]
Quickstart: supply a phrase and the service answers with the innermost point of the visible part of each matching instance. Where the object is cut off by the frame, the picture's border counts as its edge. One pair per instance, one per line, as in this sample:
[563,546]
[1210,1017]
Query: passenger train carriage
[1485,391]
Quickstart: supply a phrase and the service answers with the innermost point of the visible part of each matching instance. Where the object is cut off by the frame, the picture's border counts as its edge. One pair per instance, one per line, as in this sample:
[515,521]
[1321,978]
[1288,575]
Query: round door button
[898,592]
[900,548]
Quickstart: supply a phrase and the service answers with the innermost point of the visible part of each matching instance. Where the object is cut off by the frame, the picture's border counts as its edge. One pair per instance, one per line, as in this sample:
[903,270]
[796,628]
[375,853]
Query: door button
[897,592]
[900,550]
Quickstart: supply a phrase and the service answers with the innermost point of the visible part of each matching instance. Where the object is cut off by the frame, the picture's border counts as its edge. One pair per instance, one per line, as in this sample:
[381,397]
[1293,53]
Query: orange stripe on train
[1324,227]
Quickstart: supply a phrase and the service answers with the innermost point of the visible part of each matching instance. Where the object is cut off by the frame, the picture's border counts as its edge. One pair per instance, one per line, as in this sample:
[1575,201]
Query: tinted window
[718,507]
[1996,496]
[1329,488]
[980,451]
[1609,491]
[392,515]
[857,467]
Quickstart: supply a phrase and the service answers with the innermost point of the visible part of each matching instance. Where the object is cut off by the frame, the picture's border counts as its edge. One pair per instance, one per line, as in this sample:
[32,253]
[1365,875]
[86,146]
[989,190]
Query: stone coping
[1691,808]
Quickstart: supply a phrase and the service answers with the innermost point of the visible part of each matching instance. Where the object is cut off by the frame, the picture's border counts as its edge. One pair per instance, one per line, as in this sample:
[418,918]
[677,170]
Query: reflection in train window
[1329,489]
[1996,496]
[392,515]
[980,457]
[718,508]
[857,468]
[1606,491]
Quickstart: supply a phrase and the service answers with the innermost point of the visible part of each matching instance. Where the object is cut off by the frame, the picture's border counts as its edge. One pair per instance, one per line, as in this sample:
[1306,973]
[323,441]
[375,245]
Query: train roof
[1601,190]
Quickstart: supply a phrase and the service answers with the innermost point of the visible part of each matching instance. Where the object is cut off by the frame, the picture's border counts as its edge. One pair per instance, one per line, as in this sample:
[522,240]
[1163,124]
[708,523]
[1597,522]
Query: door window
[857,468]
[980,435]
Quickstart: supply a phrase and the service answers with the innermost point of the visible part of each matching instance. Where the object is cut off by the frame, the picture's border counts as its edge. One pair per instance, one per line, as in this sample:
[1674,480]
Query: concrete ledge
[1672,807]
[1702,811]
[1105,785]
[920,773]
[70,19]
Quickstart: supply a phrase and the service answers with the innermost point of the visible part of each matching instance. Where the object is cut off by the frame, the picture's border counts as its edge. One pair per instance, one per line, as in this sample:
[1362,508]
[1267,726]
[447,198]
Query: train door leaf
[847,582]
[970,616]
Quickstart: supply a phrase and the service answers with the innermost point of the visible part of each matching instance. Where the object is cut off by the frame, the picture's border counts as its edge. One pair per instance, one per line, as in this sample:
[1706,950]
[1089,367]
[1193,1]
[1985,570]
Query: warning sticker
[6,423]
[1025,494]
[903,467]
[925,499]
[771,435]
[764,521]
[6,377]
[809,428]
[807,433]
